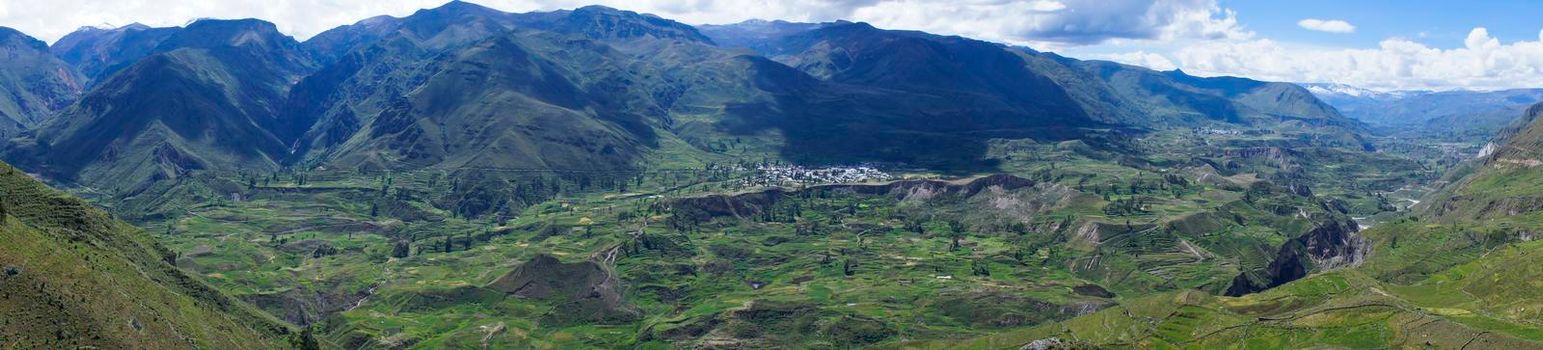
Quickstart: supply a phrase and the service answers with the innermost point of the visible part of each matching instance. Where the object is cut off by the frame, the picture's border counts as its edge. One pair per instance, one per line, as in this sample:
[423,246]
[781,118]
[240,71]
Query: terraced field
[711,257]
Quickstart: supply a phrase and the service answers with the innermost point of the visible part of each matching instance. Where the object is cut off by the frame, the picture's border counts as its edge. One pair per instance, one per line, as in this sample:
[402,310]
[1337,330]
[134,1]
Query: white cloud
[50,19]
[1483,63]
[1047,6]
[1328,26]
[1140,58]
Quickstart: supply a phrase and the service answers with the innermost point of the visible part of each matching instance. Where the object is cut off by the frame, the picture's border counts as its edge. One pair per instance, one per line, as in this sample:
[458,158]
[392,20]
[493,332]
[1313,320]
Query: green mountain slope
[207,99]
[999,88]
[77,278]
[1332,310]
[605,23]
[498,105]
[33,84]
[98,53]
[409,98]
[624,175]
[1461,272]
[1106,92]
[757,35]
[453,24]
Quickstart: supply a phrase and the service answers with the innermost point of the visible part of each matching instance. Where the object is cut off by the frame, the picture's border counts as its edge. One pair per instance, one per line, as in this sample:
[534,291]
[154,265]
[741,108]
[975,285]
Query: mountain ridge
[171,112]
[34,85]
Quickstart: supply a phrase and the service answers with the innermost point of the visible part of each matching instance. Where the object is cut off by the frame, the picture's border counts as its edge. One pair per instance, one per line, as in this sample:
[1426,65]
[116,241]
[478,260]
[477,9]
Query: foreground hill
[74,277]
[1461,272]
[34,85]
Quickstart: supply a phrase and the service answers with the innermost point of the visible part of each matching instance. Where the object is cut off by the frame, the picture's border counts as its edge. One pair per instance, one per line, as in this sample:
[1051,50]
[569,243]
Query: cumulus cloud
[51,19]
[1483,63]
[1058,23]
[1327,26]
[1140,58]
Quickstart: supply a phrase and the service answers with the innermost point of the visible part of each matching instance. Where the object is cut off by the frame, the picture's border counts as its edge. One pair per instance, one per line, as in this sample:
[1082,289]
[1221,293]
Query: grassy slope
[1338,309]
[694,285]
[1463,273]
[696,290]
[88,280]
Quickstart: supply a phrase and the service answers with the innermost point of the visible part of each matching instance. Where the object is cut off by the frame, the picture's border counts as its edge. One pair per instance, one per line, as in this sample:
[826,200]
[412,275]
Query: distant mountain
[988,81]
[98,52]
[597,89]
[486,113]
[1105,92]
[1348,92]
[434,51]
[455,23]
[205,98]
[75,277]
[458,23]
[605,23]
[500,104]
[758,35]
[1456,115]
[33,84]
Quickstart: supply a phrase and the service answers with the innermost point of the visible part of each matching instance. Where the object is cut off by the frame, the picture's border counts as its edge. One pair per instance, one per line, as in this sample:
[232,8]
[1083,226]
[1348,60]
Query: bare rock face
[1334,244]
[582,291]
[752,203]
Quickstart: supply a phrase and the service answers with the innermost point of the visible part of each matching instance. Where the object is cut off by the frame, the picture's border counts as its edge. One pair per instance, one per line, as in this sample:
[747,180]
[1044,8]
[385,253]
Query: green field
[705,253]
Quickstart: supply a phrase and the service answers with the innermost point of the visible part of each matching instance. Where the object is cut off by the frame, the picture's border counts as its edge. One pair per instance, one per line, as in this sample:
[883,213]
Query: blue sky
[1394,45]
[1441,24]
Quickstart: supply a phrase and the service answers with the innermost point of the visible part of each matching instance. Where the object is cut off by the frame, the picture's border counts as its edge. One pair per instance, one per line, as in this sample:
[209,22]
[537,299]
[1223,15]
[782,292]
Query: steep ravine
[1335,243]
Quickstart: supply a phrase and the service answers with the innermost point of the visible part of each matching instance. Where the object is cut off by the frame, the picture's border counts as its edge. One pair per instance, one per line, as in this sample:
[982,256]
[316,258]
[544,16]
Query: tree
[401,249]
[308,340]
[956,232]
[979,269]
[3,212]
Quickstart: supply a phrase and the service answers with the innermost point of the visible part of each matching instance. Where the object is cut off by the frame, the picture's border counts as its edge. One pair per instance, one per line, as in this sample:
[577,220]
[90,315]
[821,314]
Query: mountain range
[34,85]
[596,88]
[468,177]
[1457,115]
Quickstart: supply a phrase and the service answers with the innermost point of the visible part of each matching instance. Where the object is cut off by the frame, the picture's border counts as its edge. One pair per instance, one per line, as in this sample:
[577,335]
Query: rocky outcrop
[582,291]
[1335,243]
[307,305]
[1272,153]
[752,203]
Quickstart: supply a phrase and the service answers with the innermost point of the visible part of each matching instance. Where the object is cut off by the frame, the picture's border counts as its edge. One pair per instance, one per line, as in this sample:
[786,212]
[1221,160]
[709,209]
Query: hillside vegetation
[75,277]
[463,177]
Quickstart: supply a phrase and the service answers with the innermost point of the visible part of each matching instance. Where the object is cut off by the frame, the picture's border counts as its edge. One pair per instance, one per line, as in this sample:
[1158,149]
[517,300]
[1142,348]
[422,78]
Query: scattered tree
[401,249]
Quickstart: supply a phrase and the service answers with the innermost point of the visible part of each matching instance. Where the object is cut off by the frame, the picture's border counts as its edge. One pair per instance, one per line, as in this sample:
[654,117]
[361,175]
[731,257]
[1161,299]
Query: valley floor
[1070,242]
